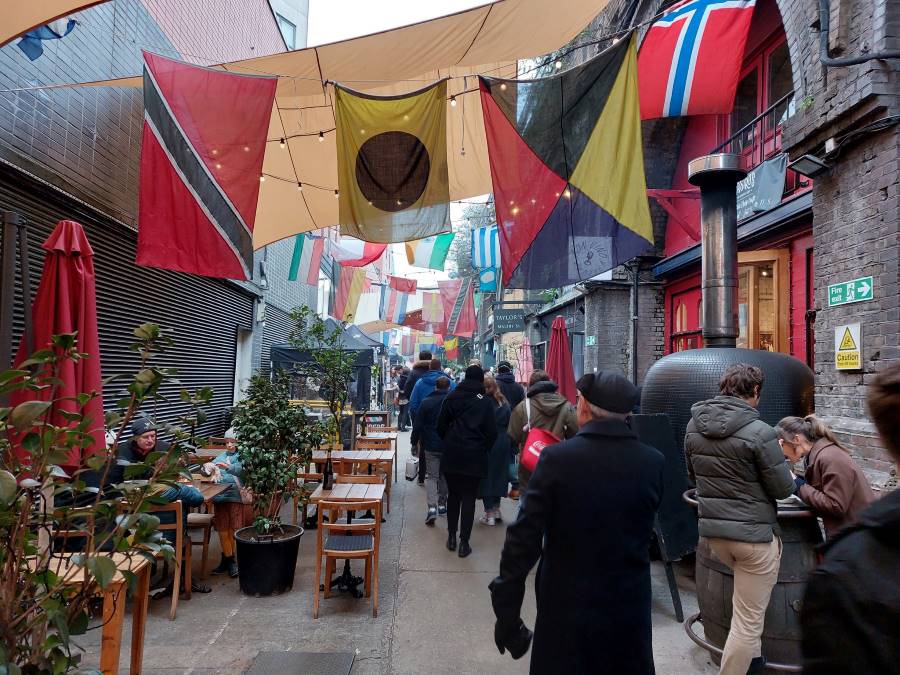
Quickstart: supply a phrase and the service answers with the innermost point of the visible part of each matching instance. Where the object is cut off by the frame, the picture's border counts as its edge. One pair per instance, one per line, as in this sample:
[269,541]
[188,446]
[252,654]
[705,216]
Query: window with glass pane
[779,82]
[758,306]
[288,31]
[746,101]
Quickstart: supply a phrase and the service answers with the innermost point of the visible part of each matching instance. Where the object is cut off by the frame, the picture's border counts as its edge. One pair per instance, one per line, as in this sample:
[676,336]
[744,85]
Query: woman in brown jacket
[833,485]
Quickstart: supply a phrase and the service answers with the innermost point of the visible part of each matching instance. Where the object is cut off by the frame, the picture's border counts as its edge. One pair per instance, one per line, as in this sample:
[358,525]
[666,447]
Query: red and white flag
[458,297]
[201,160]
[402,285]
[351,252]
[690,61]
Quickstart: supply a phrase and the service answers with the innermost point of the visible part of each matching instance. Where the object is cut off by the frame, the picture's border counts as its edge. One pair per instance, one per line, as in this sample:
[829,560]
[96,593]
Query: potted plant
[274,439]
[39,499]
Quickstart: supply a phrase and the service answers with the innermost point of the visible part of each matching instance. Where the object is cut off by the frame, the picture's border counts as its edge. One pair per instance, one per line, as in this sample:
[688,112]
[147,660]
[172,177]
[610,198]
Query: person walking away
[512,390]
[588,516]
[832,483]
[419,368]
[402,400]
[493,488]
[425,434]
[850,615]
[390,395]
[231,514]
[424,386]
[543,408]
[739,470]
[468,428]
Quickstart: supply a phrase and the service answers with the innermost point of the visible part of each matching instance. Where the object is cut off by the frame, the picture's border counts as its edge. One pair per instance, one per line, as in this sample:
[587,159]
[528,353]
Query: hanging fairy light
[282,144]
[503,86]
[336,194]
[262,178]
[321,136]
[453,101]
[299,186]
[558,64]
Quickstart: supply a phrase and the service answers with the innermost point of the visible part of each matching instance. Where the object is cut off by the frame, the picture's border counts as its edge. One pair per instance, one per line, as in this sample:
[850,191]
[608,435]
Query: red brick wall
[213,31]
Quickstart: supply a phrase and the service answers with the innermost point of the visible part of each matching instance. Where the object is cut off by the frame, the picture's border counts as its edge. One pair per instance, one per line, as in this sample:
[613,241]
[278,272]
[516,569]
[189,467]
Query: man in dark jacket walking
[468,428]
[512,390]
[851,610]
[590,506]
[738,467]
[425,434]
[419,368]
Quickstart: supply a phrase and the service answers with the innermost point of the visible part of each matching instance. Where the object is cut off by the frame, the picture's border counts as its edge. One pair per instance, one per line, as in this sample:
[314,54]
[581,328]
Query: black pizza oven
[679,380]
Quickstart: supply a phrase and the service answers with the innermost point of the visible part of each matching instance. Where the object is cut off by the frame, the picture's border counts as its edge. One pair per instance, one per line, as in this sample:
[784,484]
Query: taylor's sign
[509,320]
[762,188]
[848,347]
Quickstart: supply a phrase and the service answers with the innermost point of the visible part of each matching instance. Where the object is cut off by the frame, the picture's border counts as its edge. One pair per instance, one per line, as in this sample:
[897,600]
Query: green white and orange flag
[430,252]
[350,283]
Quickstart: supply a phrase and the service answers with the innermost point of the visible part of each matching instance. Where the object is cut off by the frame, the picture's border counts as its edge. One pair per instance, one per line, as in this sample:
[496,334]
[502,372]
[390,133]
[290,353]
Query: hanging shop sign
[846,292]
[509,320]
[848,347]
[761,190]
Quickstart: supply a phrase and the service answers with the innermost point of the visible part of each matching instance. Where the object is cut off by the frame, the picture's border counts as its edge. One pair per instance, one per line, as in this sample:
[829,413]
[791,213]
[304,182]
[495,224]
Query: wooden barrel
[800,534]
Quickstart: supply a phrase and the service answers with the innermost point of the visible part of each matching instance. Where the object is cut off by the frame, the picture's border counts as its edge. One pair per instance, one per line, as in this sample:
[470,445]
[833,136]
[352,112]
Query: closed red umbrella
[559,359]
[66,303]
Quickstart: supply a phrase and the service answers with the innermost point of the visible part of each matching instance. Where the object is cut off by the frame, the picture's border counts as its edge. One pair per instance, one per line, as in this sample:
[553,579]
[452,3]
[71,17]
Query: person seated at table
[832,483]
[425,434]
[230,509]
[142,443]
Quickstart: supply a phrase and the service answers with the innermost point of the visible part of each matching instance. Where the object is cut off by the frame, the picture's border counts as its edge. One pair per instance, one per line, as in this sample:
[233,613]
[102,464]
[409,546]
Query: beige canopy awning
[20,16]
[485,40]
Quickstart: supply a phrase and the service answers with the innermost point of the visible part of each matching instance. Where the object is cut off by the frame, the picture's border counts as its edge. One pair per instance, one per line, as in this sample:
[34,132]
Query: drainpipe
[717,177]
[635,270]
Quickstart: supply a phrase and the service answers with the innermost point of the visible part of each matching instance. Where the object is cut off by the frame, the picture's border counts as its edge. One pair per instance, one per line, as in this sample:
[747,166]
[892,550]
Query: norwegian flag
[201,160]
[690,60]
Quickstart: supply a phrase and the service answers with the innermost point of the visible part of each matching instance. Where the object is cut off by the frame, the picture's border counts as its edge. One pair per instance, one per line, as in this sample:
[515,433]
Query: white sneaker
[488,519]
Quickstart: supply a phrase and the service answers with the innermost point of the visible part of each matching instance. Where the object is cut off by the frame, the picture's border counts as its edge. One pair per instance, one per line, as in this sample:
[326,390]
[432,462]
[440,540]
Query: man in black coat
[512,390]
[588,515]
[468,429]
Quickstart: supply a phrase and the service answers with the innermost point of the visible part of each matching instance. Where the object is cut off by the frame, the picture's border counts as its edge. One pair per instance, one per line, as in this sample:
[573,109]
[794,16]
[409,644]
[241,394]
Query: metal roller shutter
[202,315]
[278,327]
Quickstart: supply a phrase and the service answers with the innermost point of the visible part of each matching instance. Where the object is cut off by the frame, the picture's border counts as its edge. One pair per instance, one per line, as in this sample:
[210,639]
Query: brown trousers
[755,568]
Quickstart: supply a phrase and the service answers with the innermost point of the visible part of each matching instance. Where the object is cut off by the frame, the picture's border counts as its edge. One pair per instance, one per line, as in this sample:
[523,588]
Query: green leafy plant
[274,439]
[329,362]
[41,501]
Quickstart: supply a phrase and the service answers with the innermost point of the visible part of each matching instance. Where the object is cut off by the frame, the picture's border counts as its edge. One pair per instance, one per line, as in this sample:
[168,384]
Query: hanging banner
[459,306]
[762,188]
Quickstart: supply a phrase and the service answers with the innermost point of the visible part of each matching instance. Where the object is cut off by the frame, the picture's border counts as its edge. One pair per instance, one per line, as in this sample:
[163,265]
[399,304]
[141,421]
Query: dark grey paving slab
[301,663]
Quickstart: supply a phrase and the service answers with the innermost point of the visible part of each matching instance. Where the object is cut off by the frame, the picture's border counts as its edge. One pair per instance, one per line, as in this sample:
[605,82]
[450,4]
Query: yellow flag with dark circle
[392,164]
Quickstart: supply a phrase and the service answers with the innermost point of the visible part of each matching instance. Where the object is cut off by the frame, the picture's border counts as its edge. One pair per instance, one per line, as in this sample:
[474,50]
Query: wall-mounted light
[809,166]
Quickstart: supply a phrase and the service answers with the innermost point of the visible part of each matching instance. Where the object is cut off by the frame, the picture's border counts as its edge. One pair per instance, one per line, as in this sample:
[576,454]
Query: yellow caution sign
[847,347]
[847,342]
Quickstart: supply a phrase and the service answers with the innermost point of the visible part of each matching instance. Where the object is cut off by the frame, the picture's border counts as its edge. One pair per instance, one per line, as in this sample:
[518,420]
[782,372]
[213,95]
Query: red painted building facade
[775,259]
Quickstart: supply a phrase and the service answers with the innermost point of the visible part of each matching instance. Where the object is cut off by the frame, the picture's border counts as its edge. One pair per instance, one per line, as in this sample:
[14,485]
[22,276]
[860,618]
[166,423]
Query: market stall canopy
[301,146]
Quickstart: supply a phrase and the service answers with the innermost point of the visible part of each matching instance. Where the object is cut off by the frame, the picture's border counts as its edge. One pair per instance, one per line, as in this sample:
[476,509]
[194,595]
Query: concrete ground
[434,610]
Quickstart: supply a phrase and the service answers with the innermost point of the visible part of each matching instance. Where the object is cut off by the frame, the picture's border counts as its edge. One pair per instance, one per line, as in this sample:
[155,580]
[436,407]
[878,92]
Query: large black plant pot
[266,564]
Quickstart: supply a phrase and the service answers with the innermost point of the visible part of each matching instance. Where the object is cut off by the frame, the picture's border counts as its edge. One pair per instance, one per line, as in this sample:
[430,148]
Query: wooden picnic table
[114,594]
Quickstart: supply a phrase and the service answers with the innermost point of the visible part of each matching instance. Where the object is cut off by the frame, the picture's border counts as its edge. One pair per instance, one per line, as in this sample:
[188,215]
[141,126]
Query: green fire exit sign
[851,291]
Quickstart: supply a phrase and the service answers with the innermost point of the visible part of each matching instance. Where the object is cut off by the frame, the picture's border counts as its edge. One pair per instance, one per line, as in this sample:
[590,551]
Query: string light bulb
[453,101]
[299,186]
[337,194]
[321,136]
[567,193]
[246,148]
[281,144]
[503,86]
[558,64]
[262,178]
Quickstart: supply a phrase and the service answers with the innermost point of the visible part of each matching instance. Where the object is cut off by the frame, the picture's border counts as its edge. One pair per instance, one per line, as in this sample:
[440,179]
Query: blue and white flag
[30,43]
[487,280]
[485,247]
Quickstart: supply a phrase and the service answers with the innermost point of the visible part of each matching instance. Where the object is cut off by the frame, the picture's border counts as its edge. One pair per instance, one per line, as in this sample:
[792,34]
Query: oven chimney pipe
[717,177]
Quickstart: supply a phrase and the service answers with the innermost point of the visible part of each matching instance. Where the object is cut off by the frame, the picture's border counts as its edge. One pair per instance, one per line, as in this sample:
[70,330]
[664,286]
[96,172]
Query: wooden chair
[341,541]
[182,552]
[304,477]
[204,523]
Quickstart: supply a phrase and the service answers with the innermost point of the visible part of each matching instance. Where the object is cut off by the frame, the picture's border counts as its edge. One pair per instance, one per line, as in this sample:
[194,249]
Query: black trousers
[462,492]
[403,420]
[422,464]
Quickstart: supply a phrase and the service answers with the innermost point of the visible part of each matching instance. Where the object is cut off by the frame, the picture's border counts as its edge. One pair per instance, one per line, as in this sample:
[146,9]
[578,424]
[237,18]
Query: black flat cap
[475,373]
[608,390]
